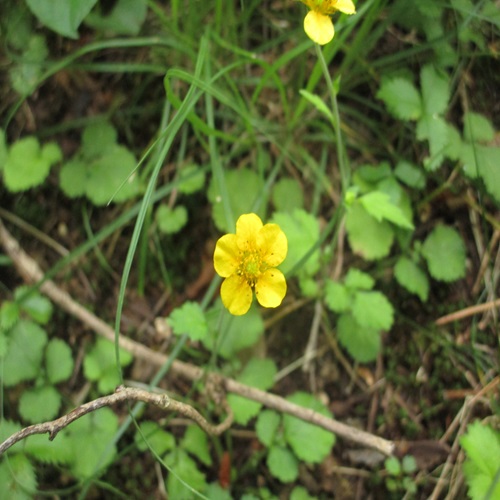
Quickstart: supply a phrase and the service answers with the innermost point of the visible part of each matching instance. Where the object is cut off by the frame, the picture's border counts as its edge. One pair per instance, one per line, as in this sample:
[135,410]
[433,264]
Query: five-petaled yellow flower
[318,24]
[248,261]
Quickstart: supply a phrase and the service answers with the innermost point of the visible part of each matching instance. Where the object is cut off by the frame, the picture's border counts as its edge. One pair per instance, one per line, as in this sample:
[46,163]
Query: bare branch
[32,273]
[162,401]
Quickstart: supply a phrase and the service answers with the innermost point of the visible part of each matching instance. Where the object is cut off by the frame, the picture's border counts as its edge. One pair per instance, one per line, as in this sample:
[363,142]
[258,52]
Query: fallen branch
[121,394]
[32,274]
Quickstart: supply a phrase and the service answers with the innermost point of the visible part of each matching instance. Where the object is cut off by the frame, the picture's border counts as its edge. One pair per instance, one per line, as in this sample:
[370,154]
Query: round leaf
[58,361]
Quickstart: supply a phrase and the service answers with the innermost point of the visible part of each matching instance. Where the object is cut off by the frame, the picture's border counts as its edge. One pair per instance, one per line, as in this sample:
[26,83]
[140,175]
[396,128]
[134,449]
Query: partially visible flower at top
[318,24]
[248,261]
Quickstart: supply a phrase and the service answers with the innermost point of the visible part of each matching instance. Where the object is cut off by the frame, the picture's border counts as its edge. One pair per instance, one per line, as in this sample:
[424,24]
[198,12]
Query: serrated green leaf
[34,303]
[454,146]
[482,446]
[373,310]
[477,128]
[9,315]
[380,206]
[18,478]
[435,89]
[444,251]
[125,18]
[42,449]
[287,195]
[25,167]
[91,438]
[410,174]
[257,373]
[196,442]
[282,464]
[225,334]
[191,179]
[337,296]
[240,200]
[189,319]
[99,365]
[411,277]
[171,220]
[434,129]
[302,231]
[7,428]
[401,98]
[62,16]
[39,404]
[26,342]
[266,426]
[157,438]
[187,475]
[362,343]
[58,361]
[368,237]
[309,442]
[358,280]
[318,103]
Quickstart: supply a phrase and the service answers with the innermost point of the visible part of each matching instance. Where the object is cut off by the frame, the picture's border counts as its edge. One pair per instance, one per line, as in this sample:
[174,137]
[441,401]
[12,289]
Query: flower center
[251,267]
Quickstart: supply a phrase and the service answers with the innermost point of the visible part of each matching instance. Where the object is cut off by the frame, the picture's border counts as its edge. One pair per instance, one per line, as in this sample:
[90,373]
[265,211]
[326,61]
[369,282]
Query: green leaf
[171,220]
[226,334]
[189,319]
[3,149]
[409,464]
[373,310]
[58,361]
[241,200]
[9,315]
[434,129]
[267,426]
[318,103]
[483,161]
[73,178]
[99,365]
[90,438]
[482,447]
[34,303]
[157,438]
[287,195]
[62,16]
[56,451]
[111,177]
[97,139]
[125,18]
[282,464]
[393,466]
[39,404]
[337,296]
[25,166]
[196,442]
[380,206]
[454,146]
[411,277]
[435,90]
[362,343]
[401,98]
[185,469]
[410,174]
[257,373]
[300,493]
[444,252]
[368,237]
[356,279]
[25,353]
[18,478]
[7,428]
[309,442]
[191,179]
[302,231]
[477,128]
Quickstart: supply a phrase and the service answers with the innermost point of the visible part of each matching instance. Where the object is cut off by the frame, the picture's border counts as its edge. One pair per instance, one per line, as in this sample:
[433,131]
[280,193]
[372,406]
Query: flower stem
[344,171]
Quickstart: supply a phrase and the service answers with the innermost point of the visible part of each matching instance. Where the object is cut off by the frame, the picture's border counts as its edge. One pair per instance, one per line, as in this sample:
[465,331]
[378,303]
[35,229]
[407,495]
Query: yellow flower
[318,24]
[248,261]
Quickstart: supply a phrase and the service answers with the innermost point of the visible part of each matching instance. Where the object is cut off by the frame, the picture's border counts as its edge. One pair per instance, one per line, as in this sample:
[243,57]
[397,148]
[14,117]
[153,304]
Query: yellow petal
[270,288]
[236,295]
[247,227]
[273,245]
[318,27]
[345,6]
[226,255]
